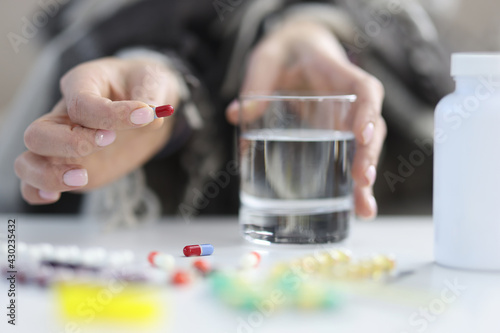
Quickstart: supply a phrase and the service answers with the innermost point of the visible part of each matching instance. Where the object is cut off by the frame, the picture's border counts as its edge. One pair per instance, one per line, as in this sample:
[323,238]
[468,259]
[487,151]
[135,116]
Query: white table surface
[396,308]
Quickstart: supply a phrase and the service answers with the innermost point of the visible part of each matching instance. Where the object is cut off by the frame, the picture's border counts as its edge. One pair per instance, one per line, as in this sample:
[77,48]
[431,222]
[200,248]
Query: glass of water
[296,156]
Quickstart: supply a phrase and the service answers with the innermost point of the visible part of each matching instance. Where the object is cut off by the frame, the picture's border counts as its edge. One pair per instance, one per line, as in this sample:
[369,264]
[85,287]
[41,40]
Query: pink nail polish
[371,175]
[76,178]
[51,196]
[142,116]
[104,138]
[368,133]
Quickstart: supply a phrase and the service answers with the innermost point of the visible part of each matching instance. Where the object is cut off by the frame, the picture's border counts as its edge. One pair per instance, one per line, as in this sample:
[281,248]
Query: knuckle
[25,194]
[51,181]
[74,107]
[265,52]
[67,77]
[63,81]
[376,85]
[383,127]
[18,165]
[31,137]
[78,144]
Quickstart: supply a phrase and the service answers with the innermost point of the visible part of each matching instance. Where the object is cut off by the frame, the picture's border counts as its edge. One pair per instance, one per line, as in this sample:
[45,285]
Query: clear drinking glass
[296,156]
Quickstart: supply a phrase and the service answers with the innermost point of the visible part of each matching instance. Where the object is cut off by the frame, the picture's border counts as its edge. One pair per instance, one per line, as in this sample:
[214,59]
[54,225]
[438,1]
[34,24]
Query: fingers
[331,71]
[364,172]
[367,108]
[53,135]
[93,111]
[365,203]
[35,196]
[96,93]
[367,156]
[262,77]
[41,173]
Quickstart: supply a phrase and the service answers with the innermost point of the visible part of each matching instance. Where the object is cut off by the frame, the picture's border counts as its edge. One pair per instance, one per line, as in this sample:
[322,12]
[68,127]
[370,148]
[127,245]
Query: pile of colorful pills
[339,264]
[308,282]
[166,262]
[45,264]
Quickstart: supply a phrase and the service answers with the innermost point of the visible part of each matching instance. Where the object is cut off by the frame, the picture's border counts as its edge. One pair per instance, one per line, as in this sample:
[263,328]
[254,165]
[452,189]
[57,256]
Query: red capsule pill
[250,260]
[164,111]
[181,277]
[198,250]
[151,257]
[202,266]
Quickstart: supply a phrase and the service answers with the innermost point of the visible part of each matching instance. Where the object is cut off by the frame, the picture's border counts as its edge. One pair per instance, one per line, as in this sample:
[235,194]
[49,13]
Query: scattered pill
[250,260]
[202,266]
[161,260]
[118,259]
[151,257]
[164,261]
[47,251]
[181,278]
[198,250]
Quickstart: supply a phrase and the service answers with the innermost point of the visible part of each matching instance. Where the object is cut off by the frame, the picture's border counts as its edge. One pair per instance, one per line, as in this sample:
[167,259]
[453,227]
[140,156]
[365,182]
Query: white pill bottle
[466,205]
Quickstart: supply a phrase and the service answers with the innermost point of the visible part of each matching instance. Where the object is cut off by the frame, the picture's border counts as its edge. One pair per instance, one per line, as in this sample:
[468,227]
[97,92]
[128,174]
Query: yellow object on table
[118,301]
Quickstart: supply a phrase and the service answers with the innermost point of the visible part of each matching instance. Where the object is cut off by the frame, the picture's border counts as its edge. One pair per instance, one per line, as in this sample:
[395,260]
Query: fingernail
[371,175]
[104,138]
[51,196]
[368,133]
[77,177]
[142,116]
[373,205]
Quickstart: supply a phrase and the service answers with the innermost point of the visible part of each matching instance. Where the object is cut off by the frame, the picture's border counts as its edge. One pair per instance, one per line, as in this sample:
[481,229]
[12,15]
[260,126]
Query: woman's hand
[306,56]
[101,130]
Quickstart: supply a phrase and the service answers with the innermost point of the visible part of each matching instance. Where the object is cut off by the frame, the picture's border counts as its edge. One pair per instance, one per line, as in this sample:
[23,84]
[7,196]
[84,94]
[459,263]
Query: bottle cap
[473,64]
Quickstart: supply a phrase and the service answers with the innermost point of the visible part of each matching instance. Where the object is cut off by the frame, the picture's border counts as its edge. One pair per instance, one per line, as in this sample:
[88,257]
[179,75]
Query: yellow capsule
[325,262]
[298,269]
[382,263]
[340,271]
[310,264]
[278,270]
[324,259]
[354,270]
[377,275]
[309,296]
[367,268]
[340,255]
[296,264]
[391,262]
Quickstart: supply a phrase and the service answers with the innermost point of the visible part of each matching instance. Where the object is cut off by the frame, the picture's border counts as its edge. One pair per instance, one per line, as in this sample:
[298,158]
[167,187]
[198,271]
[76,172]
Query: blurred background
[462,25]
[15,66]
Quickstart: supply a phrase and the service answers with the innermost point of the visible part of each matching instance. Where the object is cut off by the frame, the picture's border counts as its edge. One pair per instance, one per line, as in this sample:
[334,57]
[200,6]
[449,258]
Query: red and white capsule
[250,260]
[163,111]
[202,266]
[198,250]
[161,260]
[181,277]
